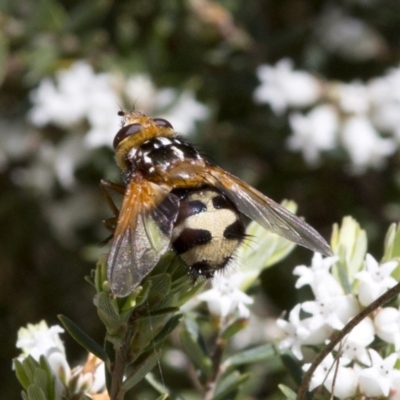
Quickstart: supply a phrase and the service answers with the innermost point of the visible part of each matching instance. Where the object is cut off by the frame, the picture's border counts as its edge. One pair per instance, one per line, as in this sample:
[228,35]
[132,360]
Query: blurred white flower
[226,298]
[53,162]
[282,87]
[75,95]
[364,145]
[384,93]
[141,92]
[314,132]
[375,279]
[322,283]
[387,325]
[102,115]
[40,340]
[354,345]
[182,110]
[89,378]
[296,332]
[348,37]
[377,380]
[353,98]
[63,102]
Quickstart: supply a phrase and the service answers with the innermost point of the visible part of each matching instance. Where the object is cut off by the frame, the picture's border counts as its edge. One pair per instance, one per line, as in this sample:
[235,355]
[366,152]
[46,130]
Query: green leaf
[40,379]
[256,354]
[234,328]
[145,363]
[167,329]
[36,393]
[83,339]
[160,287]
[192,344]
[21,373]
[289,394]
[157,313]
[30,365]
[50,379]
[343,277]
[191,292]
[229,384]
[163,397]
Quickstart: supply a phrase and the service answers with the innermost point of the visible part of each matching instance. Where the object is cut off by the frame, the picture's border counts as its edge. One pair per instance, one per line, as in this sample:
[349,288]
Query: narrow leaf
[289,394]
[256,354]
[36,393]
[22,376]
[196,353]
[82,338]
[144,365]
[229,384]
[167,329]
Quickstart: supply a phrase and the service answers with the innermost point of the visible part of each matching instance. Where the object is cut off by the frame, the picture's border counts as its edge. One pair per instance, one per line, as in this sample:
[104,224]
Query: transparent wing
[266,212]
[142,235]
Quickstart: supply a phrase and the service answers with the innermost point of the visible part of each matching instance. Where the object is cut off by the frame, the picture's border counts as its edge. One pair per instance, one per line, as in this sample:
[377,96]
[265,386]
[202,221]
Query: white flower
[78,94]
[301,332]
[89,378]
[296,332]
[335,311]
[377,380]
[374,280]
[63,103]
[181,110]
[337,379]
[281,87]
[322,283]
[102,113]
[353,98]
[226,298]
[384,92]
[354,345]
[40,340]
[387,325]
[141,92]
[314,132]
[364,145]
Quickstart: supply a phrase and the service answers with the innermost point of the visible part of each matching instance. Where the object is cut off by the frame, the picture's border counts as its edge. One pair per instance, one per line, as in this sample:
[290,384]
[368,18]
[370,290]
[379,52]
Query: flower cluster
[41,344]
[360,117]
[85,104]
[364,362]
[79,94]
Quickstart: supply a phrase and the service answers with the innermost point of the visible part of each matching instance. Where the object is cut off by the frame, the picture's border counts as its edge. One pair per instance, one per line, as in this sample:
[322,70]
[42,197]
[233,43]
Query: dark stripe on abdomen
[190,238]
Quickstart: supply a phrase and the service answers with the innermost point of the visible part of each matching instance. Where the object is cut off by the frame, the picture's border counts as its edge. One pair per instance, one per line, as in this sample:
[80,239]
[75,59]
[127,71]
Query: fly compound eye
[125,132]
[162,122]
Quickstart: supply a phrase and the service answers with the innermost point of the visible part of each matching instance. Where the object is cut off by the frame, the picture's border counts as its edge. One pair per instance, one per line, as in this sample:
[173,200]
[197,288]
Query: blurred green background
[51,227]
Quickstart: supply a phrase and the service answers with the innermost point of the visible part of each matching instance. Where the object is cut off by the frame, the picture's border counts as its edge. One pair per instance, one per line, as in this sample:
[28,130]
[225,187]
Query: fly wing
[266,212]
[142,235]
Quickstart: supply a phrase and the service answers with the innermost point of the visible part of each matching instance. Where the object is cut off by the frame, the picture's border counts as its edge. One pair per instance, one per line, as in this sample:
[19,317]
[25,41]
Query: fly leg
[111,223]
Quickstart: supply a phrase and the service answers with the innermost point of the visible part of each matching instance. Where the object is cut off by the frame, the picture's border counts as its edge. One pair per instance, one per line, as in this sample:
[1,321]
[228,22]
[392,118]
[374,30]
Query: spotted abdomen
[208,230]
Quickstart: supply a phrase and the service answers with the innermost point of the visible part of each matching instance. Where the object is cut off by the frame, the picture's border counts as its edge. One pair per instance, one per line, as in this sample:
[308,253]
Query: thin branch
[121,361]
